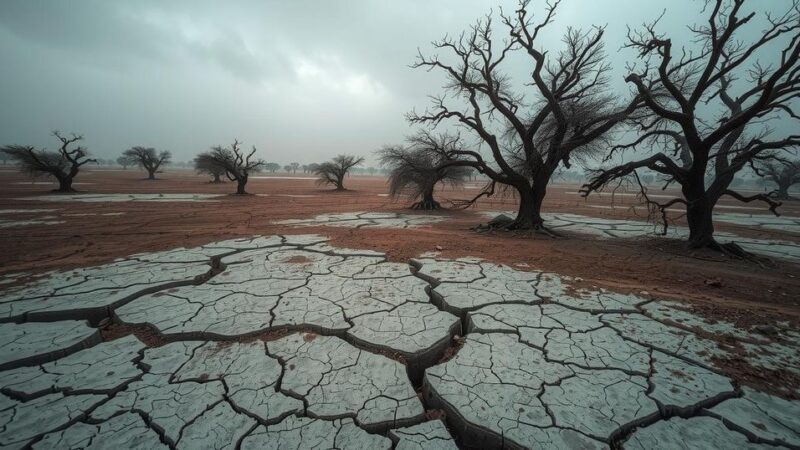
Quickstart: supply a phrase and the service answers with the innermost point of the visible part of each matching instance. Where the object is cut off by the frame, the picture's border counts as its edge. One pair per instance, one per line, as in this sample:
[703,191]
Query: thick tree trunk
[65,184]
[151,174]
[699,215]
[240,184]
[529,214]
[427,202]
[782,193]
[216,178]
[340,183]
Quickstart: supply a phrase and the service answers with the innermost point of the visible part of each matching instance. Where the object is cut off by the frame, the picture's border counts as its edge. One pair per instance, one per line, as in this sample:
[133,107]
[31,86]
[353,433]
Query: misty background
[301,80]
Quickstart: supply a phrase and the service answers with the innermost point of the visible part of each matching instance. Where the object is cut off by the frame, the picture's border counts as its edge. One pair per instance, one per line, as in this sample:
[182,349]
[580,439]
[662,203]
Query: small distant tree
[371,170]
[287,168]
[235,162]
[334,171]
[294,167]
[272,167]
[304,167]
[148,159]
[783,173]
[124,162]
[312,168]
[416,169]
[62,165]
[204,164]
[4,157]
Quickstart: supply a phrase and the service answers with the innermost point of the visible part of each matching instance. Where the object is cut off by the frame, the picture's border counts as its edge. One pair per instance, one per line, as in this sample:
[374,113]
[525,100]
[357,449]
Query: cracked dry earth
[287,342]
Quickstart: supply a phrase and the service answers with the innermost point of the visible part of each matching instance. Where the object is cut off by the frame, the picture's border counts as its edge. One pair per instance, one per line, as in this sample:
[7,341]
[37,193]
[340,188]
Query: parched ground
[170,314]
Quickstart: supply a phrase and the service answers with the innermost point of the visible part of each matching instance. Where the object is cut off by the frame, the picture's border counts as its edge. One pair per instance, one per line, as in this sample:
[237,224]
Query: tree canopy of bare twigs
[721,73]
[208,166]
[63,165]
[148,159]
[236,163]
[333,172]
[417,167]
[530,128]
[784,174]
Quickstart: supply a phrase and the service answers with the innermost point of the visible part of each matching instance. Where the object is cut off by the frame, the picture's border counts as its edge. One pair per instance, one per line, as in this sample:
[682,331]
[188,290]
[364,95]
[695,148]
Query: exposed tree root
[735,251]
[427,205]
[504,223]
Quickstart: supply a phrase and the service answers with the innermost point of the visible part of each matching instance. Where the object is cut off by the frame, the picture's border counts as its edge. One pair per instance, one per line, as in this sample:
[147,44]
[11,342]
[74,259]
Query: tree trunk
[530,207]
[340,183]
[151,174]
[427,202]
[699,215]
[65,184]
[782,192]
[216,178]
[240,184]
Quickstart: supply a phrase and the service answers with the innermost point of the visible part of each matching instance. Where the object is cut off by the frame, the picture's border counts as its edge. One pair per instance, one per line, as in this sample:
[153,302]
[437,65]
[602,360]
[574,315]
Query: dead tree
[416,168]
[62,165]
[148,159]
[562,112]
[711,113]
[236,164]
[124,162]
[294,167]
[784,174]
[204,164]
[334,171]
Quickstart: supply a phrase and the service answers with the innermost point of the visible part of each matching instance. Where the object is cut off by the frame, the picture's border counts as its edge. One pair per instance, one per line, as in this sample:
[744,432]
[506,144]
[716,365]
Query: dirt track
[748,293]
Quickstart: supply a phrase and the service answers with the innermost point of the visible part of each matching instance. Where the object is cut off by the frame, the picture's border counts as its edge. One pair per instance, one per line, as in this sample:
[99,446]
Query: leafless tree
[784,174]
[236,163]
[124,162]
[416,168]
[148,159]
[63,165]
[334,171]
[702,151]
[204,164]
[562,113]
[272,167]
[294,167]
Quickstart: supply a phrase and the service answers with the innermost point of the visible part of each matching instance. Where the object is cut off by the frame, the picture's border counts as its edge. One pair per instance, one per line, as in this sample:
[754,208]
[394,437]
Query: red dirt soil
[747,293]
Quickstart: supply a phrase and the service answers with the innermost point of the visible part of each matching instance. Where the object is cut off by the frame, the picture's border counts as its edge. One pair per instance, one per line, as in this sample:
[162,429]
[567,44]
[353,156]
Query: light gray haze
[301,80]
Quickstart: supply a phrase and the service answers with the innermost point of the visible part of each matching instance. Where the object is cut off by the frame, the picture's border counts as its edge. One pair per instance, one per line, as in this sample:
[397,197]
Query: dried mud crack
[286,341]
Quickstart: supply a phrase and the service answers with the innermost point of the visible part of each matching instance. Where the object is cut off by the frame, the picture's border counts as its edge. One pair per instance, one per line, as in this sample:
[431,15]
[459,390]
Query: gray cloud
[302,80]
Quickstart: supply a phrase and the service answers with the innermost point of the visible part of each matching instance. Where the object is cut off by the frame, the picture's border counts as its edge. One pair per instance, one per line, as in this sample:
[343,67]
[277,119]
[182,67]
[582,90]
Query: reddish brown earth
[747,292]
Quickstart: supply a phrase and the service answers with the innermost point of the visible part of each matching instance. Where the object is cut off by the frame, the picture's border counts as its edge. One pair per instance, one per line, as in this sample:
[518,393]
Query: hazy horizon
[302,81]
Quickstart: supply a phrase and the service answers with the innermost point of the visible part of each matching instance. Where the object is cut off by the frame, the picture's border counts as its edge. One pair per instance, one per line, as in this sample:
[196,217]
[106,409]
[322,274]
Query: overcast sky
[301,80]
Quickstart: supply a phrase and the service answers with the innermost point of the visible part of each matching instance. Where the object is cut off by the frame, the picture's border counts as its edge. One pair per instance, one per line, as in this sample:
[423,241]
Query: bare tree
[784,174]
[124,162]
[204,164]
[235,162]
[62,165]
[702,151]
[272,167]
[563,112]
[334,171]
[294,166]
[148,159]
[416,168]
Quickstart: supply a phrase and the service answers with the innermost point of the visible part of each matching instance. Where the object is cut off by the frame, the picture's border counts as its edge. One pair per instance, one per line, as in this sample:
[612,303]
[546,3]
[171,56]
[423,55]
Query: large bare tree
[148,159]
[236,163]
[417,167]
[711,115]
[62,165]
[334,171]
[564,110]
[784,174]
